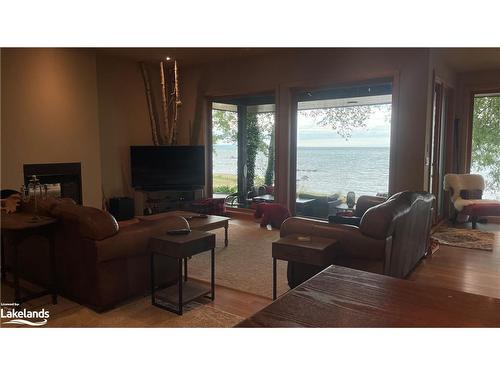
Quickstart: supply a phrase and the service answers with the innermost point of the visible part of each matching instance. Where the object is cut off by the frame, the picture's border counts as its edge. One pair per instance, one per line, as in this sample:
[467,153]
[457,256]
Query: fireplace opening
[64,179]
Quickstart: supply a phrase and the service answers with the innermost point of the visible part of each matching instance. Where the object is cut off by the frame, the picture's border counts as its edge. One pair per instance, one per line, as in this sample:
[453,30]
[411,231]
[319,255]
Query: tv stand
[152,201]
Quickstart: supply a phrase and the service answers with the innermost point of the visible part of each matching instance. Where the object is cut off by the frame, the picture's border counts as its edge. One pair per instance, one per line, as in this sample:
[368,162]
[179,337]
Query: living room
[197,187]
[91,103]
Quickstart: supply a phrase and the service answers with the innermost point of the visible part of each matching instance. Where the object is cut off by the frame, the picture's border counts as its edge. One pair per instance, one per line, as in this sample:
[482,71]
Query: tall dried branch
[177,102]
[164,101]
[149,97]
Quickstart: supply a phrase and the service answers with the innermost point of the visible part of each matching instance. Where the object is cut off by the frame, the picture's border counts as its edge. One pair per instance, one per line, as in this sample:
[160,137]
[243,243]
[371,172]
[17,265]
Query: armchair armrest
[352,242]
[297,225]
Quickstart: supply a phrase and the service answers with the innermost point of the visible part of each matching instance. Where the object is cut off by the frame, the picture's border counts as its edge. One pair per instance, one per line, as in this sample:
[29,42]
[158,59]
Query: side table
[15,228]
[181,247]
[317,251]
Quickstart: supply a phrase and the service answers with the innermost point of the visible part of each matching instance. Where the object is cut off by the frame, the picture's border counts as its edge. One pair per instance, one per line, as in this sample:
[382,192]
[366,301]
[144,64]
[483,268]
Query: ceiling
[185,56]
[468,59]
[459,59]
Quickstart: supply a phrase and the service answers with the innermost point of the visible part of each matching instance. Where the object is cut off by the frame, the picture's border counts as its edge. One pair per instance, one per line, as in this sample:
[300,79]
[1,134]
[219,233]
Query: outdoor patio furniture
[354,217]
[210,206]
[273,214]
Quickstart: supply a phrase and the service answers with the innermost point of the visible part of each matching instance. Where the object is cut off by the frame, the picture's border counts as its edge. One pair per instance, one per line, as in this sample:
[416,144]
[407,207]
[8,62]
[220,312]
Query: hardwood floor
[468,270]
[237,302]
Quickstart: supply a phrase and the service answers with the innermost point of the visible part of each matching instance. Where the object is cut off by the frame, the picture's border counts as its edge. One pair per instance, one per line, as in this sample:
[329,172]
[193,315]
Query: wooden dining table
[344,297]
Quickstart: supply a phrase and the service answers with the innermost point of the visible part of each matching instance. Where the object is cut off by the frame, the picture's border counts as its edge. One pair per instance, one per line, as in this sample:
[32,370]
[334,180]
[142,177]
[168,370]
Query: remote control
[176,232]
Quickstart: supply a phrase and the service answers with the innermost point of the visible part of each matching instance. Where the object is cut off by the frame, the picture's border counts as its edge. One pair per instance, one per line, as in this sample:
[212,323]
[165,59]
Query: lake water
[326,170]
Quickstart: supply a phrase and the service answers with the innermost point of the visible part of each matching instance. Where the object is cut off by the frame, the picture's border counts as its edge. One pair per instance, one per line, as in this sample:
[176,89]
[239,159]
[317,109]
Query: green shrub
[225,189]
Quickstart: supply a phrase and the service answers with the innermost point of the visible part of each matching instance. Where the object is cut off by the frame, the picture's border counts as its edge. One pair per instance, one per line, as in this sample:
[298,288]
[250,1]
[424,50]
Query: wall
[439,70]
[49,114]
[284,72]
[124,120]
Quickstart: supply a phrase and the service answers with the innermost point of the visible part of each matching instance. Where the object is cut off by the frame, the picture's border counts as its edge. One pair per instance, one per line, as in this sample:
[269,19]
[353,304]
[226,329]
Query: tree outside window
[486,142]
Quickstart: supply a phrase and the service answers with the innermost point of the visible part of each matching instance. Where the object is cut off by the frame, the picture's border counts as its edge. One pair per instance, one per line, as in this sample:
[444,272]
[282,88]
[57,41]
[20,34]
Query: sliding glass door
[224,149]
[242,135]
[343,148]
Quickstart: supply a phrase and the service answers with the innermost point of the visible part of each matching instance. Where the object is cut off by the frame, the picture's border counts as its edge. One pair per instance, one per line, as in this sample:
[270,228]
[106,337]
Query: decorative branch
[164,130]
[177,103]
[164,102]
[149,98]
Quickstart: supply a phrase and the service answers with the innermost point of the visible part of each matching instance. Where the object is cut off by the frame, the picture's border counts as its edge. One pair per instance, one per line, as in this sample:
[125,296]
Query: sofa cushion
[133,240]
[365,202]
[125,223]
[377,222]
[92,223]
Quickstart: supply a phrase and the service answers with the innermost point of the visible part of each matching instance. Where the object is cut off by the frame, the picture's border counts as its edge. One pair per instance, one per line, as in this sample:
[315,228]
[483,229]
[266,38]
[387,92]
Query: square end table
[181,247]
[313,250]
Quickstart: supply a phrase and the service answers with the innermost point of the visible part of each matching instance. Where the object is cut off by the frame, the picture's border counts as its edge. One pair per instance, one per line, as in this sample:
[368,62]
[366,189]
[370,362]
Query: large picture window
[343,147]
[485,158]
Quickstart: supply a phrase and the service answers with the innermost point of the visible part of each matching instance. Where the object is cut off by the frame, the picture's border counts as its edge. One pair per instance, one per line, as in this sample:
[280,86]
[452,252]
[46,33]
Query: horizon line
[359,146]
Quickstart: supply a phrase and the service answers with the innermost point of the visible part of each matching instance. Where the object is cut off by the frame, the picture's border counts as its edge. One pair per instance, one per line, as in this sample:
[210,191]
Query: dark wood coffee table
[208,223]
[181,247]
[343,297]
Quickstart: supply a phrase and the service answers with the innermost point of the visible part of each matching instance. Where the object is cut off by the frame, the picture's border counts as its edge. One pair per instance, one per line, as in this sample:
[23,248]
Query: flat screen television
[167,167]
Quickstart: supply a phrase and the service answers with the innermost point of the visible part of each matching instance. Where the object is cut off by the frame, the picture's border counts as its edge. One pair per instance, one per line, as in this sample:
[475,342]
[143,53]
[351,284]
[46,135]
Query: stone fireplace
[67,175]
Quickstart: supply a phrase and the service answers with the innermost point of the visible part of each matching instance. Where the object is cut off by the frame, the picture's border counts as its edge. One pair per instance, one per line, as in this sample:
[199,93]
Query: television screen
[167,166]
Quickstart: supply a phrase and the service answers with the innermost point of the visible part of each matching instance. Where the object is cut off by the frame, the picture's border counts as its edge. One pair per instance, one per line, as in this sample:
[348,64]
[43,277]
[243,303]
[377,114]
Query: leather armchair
[391,239]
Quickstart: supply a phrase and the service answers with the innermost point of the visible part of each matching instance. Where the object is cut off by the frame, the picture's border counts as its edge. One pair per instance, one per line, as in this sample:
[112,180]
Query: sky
[376,133]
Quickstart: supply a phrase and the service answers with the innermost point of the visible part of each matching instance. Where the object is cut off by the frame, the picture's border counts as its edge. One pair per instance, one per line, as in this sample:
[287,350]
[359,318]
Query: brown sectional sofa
[99,264]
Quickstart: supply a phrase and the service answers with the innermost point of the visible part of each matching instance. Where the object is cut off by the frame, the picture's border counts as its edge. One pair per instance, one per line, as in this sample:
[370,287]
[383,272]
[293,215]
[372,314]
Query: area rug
[466,238]
[246,264]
